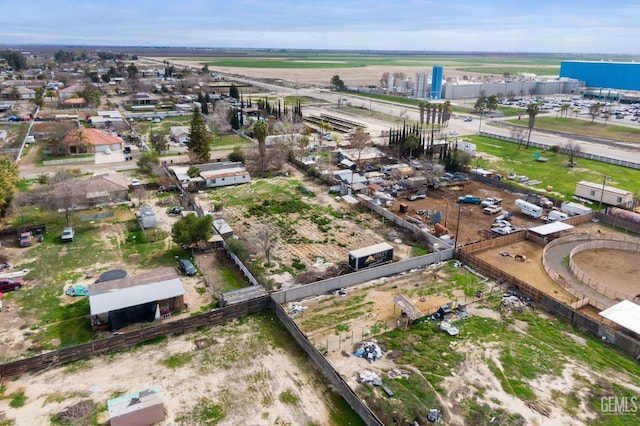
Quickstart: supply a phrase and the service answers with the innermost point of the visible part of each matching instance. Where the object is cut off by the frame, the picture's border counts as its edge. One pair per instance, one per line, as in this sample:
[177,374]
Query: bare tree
[573,148]
[359,141]
[518,134]
[594,110]
[64,194]
[267,237]
[220,118]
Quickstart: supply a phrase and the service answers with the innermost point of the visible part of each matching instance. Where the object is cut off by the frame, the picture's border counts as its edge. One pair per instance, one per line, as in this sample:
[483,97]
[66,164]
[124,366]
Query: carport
[131,300]
[548,232]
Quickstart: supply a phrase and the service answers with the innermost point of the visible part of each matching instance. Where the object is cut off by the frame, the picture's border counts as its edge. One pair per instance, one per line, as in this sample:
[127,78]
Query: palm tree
[446,112]
[532,111]
[422,106]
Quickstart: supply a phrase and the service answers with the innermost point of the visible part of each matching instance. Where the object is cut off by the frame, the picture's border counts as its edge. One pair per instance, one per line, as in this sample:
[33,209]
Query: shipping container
[367,257]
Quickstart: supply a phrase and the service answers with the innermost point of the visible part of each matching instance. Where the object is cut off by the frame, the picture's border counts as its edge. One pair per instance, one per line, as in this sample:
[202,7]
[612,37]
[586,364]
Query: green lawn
[554,172]
[611,130]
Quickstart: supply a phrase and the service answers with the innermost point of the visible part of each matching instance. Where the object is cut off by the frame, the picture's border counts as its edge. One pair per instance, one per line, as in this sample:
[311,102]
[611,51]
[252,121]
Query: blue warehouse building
[436,82]
[606,75]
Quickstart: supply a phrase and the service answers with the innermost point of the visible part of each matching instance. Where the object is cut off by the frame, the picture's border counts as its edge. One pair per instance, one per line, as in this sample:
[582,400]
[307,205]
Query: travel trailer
[529,209]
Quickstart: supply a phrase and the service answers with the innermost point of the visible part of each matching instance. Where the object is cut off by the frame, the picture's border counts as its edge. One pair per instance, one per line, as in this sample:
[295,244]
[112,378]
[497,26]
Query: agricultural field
[509,363]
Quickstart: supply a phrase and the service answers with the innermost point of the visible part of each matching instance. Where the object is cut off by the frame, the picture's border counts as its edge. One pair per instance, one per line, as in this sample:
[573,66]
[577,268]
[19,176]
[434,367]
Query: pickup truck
[25,239]
[469,199]
[491,201]
[493,209]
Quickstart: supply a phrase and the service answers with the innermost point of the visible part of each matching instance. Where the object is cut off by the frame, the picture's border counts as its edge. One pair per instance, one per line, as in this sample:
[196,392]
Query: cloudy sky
[563,26]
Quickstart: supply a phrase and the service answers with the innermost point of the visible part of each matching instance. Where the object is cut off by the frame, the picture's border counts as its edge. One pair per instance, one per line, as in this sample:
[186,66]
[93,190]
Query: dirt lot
[236,365]
[618,269]
[475,225]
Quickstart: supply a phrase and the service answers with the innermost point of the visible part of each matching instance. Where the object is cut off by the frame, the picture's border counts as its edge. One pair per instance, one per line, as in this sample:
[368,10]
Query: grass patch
[289,398]
[205,412]
[508,157]
[17,399]
[574,126]
[177,361]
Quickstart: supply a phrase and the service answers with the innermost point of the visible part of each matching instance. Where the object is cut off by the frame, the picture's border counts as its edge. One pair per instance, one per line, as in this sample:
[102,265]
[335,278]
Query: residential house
[142,98]
[95,191]
[18,92]
[224,173]
[73,103]
[69,91]
[99,141]
[110,120]
[142,298]
[180,134]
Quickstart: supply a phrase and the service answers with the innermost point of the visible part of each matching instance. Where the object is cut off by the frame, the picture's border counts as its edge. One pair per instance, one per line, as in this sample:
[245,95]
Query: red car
[8,284]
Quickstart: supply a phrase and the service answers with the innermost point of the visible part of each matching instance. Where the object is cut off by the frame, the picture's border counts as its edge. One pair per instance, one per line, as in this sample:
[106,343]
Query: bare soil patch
[530,271]
[617,269]
[216,364]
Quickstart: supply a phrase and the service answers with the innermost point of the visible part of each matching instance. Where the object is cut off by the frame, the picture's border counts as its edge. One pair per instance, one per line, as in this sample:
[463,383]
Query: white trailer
[529,209]
[607,194]
[574,209]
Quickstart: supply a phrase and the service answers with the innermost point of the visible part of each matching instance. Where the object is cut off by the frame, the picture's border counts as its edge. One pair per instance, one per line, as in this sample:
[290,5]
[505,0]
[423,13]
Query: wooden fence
[127,340]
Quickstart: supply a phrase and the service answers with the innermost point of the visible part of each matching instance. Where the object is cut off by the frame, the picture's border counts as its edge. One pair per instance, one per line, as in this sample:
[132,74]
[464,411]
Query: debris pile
[397,373]
[446,326]
[368,350]
[434,415]
[296,309]
[511,299]
[366,376]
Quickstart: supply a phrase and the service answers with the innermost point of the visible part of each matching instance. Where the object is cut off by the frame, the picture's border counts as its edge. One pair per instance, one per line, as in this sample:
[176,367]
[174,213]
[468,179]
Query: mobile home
[607,194]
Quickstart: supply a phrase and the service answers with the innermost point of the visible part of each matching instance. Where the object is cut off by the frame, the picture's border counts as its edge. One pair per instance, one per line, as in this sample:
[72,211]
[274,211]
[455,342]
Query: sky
[549,26]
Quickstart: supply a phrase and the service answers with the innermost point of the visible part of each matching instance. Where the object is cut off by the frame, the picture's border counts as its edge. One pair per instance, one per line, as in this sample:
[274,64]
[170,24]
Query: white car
[136,182]
[107,151]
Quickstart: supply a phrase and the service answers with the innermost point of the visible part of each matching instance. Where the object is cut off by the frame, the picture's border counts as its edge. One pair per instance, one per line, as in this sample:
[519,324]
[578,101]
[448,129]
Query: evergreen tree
[198,144]
[233,91]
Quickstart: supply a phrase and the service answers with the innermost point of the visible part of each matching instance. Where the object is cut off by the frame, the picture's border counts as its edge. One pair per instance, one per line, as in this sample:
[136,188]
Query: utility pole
[604,182]
[455,241]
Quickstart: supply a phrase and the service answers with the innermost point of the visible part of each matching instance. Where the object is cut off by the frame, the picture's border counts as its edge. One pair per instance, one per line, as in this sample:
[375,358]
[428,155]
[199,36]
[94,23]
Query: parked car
[107,151]
[77,291]
[8,284]
[492,209]
[523,179]
[187,267]
[174,211]
[503,230]
[25,239]
[67,235]
[469,199]
[468,119]
[491,201]
[136,182]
